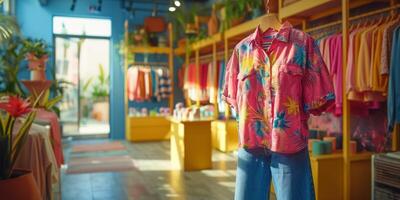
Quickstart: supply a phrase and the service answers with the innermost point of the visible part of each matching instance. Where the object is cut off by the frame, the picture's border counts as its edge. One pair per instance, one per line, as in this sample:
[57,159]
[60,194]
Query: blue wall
[36,22]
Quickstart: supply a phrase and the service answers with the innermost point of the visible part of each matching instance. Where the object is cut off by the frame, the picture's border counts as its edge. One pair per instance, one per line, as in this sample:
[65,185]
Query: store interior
[125,99]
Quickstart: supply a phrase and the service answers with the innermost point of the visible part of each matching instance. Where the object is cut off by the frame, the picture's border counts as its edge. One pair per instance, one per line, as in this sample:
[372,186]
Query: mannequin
[271,103]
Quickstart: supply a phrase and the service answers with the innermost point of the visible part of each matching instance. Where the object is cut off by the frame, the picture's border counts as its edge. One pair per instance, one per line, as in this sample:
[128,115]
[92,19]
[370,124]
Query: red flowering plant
[13,108]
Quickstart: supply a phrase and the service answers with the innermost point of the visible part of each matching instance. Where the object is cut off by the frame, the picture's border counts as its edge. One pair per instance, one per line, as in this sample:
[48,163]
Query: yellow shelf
[243,28]
[361,156]
[335,155]
[180,51]
[207,41]
[154,50]
[302,6]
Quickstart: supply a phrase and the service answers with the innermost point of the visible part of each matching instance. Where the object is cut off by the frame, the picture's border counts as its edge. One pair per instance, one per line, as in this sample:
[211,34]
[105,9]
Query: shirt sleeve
[318,93]
[229,92]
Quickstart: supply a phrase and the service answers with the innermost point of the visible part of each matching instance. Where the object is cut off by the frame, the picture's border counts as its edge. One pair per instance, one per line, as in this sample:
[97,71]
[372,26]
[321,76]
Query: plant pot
[182,42]
[101,111]
[35,63]
[212,25]
[35,88]
[38,75]
[21,185]
[191,29]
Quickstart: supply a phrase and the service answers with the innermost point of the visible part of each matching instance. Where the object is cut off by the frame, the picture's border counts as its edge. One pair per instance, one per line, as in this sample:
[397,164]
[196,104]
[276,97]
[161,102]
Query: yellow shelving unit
[148,128]
[341,175]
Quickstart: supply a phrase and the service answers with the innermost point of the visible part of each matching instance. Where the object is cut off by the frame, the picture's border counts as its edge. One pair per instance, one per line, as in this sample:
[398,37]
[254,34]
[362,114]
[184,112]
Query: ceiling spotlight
[171,9]
[72,8]
[177,3]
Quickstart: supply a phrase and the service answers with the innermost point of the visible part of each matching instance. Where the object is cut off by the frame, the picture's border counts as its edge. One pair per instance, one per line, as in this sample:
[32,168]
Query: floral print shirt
[273,91]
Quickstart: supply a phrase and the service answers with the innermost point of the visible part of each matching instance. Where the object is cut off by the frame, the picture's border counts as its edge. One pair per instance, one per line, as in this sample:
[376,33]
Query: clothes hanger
[270,20]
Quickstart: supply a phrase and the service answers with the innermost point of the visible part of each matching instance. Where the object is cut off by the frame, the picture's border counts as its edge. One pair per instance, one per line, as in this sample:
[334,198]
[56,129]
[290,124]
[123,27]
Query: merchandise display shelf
[225,135]
[149,49]
[191,144]
[148,129]
[207,42]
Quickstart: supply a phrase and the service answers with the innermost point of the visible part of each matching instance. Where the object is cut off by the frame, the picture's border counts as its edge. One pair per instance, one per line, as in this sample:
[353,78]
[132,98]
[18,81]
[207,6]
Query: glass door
[84,63]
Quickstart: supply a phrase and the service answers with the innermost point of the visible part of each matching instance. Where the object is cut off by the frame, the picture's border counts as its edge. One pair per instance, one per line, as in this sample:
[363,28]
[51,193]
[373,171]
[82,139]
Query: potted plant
[99,95]
[37,55]
[15,183]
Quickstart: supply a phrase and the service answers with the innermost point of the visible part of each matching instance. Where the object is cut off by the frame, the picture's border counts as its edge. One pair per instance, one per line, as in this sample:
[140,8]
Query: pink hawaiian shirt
[273,91]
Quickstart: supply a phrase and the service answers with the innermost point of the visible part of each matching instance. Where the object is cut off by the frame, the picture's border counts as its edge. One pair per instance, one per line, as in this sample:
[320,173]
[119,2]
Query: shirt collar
[282,35]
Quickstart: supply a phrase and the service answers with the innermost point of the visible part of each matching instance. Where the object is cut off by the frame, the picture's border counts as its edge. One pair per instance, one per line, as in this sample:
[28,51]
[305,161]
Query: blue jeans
[290,173]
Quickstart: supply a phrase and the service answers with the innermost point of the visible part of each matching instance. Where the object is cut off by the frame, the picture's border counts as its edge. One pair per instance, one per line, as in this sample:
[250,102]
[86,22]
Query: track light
[171,8]
[73,5]
[177,3]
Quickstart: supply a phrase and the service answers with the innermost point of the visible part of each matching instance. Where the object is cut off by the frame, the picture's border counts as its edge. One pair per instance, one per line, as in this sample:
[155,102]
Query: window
[82,26]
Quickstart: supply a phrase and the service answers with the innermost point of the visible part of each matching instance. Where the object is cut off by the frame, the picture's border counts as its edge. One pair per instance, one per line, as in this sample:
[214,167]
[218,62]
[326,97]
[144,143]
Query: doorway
[82,63]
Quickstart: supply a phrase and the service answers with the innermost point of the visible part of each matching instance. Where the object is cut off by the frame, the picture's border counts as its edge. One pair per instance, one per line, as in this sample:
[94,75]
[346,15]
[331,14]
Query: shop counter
[225,135]
[191,144]
[148,128]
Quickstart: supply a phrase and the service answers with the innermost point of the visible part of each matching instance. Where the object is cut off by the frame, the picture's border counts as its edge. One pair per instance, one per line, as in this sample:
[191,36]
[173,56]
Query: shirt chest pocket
[290,79]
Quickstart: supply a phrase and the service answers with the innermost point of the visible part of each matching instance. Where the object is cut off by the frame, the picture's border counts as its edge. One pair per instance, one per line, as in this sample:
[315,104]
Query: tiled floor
[153,179]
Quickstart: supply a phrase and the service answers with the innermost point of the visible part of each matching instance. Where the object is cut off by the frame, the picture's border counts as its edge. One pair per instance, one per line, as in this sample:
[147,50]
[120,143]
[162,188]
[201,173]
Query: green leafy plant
[57,89]
[100,90]
[13,108]
[12,54]
[36,47]
[236,9]
[8,27]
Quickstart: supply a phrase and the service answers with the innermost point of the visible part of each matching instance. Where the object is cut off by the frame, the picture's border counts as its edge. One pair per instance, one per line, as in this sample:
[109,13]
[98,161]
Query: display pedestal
[37,87]
[327,171]
[191,144]
[225,135]
[148,129]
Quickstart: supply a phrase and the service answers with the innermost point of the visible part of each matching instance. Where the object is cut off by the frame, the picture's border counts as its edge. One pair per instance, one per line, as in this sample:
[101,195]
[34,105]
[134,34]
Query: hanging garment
[181,76]
[164,83]
[147,84]
[155,85]
[221,83]
[393,103]
[132,84]
[211,81]
[337,72]
[274,91]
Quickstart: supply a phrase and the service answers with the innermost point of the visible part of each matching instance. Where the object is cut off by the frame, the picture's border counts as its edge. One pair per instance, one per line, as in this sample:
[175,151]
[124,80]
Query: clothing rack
[151,64]
[368,14]
[208,57]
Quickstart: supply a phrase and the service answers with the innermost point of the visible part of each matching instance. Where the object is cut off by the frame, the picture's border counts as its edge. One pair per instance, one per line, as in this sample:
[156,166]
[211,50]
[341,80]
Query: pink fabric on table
[55,133]
[35,157]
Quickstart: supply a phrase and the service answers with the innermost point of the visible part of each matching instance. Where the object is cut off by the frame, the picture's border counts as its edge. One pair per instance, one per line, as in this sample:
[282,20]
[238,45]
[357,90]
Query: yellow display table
[327,171]
[225,135]
[191,144]
[148,129]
